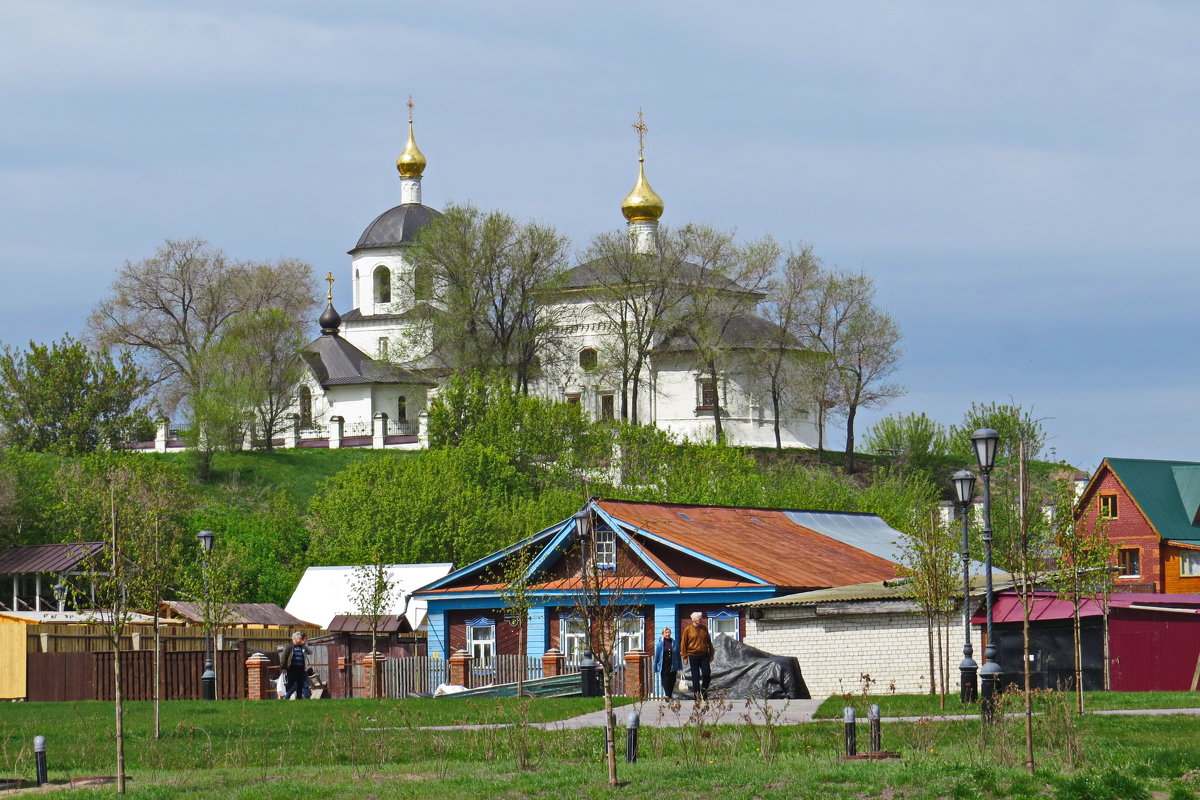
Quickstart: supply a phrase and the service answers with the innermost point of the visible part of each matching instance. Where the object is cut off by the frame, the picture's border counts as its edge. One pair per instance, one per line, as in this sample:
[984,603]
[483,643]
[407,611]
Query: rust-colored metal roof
[46,557]
[242,614]
[762,542]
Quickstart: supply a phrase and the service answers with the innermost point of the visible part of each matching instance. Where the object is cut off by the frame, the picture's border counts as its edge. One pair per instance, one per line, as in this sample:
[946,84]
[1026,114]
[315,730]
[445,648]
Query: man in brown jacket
[696,648]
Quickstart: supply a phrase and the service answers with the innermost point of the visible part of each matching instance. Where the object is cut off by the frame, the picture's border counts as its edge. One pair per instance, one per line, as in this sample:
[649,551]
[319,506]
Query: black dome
[399,225]
[330,320]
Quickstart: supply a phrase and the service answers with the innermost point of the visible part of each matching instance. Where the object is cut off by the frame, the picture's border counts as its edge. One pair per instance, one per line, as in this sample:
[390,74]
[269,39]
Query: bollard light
[631,741]
[209,681]
[851,733]
[39,756]
[876,732]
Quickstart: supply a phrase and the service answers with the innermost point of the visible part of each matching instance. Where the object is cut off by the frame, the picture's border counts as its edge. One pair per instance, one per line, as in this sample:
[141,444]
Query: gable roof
[694,546]
[46,557]
[336,362]
[1167,492]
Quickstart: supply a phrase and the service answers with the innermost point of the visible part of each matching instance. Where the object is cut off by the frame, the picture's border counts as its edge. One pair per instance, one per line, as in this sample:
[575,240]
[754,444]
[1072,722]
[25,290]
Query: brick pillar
[460,668]
[635,670]
[372,663]
[337,427]
[258,685]
[552,663]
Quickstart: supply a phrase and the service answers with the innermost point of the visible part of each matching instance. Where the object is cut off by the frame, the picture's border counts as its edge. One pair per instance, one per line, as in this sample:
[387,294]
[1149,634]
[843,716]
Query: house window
[305,407]
[383,347]
[707,390]
[1108,506]
[481,641]
[588,359]
[1130,561]
[572,399]
[402,408]
[383,284]
[574,638]
[631,635]
[606,548]
[725,622]
[608,407]
[1189,563]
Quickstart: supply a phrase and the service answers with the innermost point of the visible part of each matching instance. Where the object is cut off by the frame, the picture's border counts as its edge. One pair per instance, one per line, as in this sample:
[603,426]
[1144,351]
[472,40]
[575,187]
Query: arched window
[402,408]
[383,284]
[422,283]
[305,407]
[588,359]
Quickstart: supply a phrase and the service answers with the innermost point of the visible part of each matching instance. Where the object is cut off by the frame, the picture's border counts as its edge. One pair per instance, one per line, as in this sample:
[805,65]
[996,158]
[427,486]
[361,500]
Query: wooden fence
[94,638]
[89,676]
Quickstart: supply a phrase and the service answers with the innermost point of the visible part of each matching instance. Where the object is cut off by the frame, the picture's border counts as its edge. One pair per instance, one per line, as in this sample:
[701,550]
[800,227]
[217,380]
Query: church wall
[362,271]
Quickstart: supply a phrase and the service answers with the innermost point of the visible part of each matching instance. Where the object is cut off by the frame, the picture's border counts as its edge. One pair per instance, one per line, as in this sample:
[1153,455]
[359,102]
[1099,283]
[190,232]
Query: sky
[1019,179]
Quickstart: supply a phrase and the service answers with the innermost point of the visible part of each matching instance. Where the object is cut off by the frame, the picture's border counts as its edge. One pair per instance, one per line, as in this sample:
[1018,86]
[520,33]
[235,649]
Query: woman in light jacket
[667,662]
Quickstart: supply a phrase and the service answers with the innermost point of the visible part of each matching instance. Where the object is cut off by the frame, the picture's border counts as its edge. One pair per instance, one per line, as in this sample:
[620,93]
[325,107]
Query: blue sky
[1020,179]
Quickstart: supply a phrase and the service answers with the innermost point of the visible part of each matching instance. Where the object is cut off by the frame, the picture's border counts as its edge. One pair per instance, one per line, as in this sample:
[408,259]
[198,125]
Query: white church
[368,381]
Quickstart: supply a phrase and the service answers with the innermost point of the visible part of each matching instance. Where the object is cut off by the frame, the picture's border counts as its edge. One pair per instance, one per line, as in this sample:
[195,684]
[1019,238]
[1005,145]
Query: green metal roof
[1167,491]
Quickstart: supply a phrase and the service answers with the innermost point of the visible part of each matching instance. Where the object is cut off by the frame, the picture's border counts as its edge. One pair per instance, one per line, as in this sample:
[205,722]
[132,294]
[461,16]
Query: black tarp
[742,671]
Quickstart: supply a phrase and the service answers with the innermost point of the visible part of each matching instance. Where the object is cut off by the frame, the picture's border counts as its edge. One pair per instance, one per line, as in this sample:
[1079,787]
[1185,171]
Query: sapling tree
[1082,553]
[516,583]
[372,593]
[928,558]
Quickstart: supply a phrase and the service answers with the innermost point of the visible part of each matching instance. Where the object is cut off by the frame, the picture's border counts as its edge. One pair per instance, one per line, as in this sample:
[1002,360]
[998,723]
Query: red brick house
[1151,510]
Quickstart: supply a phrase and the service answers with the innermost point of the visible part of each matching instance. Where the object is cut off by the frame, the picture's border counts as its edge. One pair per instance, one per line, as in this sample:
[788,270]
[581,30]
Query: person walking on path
[294,661]
[695,647]
[667,662]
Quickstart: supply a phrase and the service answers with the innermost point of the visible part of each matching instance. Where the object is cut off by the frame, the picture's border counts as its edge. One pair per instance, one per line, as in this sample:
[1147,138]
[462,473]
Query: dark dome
[399,225]
[330,320]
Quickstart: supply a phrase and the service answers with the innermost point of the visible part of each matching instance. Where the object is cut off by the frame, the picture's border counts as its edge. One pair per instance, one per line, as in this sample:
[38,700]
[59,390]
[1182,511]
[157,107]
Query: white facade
[837,643]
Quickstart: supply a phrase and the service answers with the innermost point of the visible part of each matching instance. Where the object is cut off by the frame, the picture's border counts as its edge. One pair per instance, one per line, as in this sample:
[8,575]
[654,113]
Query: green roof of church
[1167,491]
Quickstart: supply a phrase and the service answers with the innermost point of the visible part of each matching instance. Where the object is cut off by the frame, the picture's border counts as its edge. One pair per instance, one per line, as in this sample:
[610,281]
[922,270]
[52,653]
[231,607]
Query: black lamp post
[985,441]
[208,679]
[964,489]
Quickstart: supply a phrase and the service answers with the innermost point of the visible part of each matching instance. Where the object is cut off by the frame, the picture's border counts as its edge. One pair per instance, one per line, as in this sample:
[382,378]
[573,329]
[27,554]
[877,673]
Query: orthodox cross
[410,108]
[640,127]
[329,280]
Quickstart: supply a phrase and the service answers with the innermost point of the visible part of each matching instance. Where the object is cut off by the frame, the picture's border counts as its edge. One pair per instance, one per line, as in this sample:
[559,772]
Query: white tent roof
[325,592]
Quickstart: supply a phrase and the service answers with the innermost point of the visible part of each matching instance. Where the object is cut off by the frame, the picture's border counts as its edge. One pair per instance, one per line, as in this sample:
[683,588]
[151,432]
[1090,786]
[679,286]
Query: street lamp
[985,441]
[964,488]
[208,679]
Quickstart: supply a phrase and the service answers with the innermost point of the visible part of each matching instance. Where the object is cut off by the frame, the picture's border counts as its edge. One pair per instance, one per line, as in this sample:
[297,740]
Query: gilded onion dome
[411,163]
[642,204]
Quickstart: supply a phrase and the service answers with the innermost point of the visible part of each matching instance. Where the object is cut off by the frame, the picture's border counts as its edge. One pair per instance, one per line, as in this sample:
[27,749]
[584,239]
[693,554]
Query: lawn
[374,749]
[924,705]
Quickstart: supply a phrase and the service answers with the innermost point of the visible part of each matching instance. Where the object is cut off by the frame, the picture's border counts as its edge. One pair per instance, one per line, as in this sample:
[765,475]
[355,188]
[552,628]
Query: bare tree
[372,591]
[781,364]
[168,309]
[488,276]
[726,283]
[860,347]
[928,553]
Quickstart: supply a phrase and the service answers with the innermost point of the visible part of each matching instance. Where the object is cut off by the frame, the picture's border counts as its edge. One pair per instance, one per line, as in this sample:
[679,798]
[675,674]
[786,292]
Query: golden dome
[642,204]
[411,162]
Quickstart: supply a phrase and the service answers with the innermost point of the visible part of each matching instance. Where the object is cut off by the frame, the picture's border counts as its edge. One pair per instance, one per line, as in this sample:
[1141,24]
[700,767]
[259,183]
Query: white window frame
[723,618]
[631,635]
[572,637]
[1189,563]
[604,550]
[481,642]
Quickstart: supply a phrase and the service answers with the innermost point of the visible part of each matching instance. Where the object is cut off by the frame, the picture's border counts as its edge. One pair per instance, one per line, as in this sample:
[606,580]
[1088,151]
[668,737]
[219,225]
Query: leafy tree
[488,275]
[29,505]
[914,439]
[928,558]
[372,591]
[516,579]
[261,348]
[267,541]
[440,505]
[546,442]
[169,309]
[62,398]
[1013,422]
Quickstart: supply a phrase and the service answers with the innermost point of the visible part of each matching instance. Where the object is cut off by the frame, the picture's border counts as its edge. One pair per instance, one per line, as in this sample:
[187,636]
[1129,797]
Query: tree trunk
[157,676]
[775,411]
[522,663]
[720,432]
[1028,692]
[120,711]
[848,459]
[1107,672]
[929,639]
[820,432]
[1078,659]
[942,635]
[610,726]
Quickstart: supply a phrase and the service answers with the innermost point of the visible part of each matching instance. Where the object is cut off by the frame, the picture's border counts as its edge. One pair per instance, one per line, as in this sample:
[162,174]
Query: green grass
[374,749]
[923,705]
